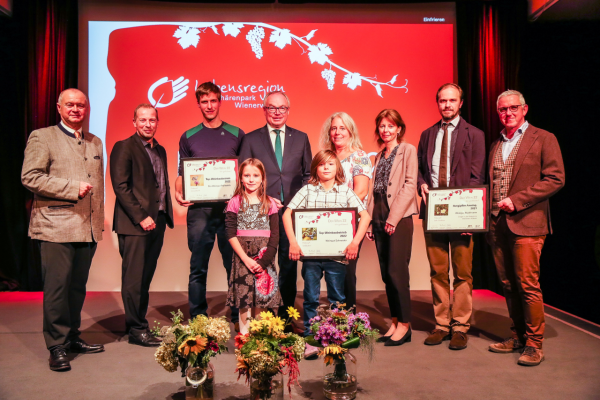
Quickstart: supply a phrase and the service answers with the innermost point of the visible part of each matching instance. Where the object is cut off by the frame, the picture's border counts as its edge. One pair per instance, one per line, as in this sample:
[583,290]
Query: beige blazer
[402,189]
[53,167]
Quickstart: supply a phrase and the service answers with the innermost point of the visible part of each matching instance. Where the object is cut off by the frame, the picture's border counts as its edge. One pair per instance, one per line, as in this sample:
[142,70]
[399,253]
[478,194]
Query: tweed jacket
[402,189]
[54,165]
[538,173]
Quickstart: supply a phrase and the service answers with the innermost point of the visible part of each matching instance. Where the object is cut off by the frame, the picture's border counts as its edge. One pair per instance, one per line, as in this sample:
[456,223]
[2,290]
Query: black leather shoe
[58,360]
[406,338]
[145,339]
[383,339]
[80,346]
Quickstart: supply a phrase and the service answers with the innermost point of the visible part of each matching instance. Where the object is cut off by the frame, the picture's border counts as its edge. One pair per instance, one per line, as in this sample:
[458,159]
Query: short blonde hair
[350,126]
[510,92]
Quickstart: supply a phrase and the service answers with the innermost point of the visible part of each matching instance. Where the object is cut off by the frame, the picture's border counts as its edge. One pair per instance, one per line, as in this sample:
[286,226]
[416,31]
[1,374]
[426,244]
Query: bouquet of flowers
[266,351]
[191,345]
[337,330]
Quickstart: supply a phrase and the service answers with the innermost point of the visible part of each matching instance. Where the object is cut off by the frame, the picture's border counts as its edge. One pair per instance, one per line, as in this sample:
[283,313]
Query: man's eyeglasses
[273,110]
[513,109]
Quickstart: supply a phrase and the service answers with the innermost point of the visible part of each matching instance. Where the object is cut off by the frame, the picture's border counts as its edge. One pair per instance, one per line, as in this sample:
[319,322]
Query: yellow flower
[266,315]
[255,325]
[277,324]
[192,345]
[293,313]
[333,349]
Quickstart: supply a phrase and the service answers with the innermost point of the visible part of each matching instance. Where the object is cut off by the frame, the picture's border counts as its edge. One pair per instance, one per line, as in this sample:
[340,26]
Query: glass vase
[339,378]
[270,388]
[199,382]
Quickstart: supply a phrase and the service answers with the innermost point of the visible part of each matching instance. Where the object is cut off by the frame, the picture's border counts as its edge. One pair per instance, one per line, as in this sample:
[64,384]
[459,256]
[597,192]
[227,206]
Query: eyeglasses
[273,110]
[513,109]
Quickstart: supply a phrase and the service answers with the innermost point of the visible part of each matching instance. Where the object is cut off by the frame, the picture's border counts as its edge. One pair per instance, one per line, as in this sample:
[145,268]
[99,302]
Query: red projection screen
[354,58]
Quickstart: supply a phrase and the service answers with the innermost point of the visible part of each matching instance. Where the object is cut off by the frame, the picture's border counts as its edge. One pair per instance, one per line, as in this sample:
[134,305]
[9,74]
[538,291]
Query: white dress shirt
[435,162]
[509,144]
[274,136]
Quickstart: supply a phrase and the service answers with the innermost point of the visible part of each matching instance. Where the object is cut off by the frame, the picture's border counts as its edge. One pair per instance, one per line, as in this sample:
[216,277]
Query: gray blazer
[54,165]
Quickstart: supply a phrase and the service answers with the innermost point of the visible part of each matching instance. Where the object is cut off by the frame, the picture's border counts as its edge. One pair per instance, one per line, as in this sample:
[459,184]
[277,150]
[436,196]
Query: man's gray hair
[510,92]
[275,92]
[60,96]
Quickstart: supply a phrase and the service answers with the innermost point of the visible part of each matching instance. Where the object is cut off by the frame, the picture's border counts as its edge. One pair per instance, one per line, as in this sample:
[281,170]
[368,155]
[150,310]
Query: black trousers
[140,255]
[65,270]
[394,253]
[350,282]
[288,270]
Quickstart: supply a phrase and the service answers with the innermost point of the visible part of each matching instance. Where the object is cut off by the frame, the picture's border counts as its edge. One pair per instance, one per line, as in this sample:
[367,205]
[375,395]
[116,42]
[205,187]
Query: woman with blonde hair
[340,135]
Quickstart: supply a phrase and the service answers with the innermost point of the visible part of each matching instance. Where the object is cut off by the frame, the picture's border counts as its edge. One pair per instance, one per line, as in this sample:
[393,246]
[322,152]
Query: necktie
[278,150]
[279,154]
[443,180]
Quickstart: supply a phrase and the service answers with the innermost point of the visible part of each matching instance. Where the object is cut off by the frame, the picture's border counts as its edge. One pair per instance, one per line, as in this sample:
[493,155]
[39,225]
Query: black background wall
[559,64]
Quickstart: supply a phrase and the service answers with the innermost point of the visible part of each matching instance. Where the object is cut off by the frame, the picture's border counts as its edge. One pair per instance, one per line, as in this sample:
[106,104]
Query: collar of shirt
[272,130]
[152,144]
[70,131]
[335,188]
[453,124]
[517,134]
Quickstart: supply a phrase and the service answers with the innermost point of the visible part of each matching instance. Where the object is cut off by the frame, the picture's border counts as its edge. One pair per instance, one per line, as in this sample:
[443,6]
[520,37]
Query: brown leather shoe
[437,336]
[509,345]
[459,341]
[531,356]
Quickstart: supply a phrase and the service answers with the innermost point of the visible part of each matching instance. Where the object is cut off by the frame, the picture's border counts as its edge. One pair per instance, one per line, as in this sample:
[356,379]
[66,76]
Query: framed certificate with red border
[458,209]
[324,232]
[209,179]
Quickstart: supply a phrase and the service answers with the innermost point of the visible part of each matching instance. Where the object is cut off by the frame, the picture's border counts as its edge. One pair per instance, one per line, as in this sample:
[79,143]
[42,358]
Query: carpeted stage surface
[410,371]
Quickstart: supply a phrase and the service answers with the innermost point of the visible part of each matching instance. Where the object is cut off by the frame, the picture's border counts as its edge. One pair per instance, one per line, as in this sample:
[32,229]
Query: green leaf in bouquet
[353,343]
[311,340]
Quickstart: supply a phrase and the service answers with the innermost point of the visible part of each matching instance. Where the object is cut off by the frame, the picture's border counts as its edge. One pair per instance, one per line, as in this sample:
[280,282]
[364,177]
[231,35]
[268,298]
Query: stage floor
[410,371]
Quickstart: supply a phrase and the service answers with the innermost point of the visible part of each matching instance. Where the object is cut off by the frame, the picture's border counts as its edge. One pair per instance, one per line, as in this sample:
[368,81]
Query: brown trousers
[517,261]
[438,246]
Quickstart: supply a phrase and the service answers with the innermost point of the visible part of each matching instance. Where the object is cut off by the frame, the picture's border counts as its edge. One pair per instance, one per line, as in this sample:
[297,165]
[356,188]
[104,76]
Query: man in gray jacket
[64,169]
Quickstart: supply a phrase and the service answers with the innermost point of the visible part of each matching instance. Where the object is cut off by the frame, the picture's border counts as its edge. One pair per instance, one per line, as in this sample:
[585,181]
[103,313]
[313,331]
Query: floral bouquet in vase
[337,331]
[266,351]
[191,347]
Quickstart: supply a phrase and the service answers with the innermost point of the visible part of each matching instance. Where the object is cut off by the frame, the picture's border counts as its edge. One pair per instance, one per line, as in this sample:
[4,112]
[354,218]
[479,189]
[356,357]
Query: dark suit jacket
[467,147]
[136,187]
[538,173]
[297,157]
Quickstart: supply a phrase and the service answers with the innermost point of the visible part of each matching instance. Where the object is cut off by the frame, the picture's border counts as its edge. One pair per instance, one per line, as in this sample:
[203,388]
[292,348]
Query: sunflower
[192,345]
[293,313]
[266,315]
[256,325]
[277,324]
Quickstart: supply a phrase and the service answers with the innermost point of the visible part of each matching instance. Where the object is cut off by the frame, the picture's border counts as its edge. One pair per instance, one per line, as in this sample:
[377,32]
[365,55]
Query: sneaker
[311,352]
[531,356]
[509,345]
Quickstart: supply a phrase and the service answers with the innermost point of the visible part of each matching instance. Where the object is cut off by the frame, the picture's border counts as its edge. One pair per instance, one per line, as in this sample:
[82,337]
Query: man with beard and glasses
[451,154]
[143,209]
[212,138]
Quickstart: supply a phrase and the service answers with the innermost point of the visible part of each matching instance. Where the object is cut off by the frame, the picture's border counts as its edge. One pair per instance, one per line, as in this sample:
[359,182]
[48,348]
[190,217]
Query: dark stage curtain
[39,45]
[489,35]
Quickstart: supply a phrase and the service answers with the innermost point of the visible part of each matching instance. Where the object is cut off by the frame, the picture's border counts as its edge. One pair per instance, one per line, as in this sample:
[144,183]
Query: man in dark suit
[525,169]
[64,168]
[286,154]
[451,154]
[143,209]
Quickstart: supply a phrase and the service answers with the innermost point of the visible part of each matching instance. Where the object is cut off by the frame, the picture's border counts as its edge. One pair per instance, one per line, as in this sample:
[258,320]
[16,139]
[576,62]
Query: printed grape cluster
[255,37]
[329,76]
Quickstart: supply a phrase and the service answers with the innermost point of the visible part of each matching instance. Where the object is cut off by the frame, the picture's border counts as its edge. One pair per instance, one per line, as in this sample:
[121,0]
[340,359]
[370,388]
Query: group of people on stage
[277,173]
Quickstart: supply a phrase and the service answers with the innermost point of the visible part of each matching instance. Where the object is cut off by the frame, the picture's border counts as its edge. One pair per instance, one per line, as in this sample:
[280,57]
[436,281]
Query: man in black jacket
[143,209]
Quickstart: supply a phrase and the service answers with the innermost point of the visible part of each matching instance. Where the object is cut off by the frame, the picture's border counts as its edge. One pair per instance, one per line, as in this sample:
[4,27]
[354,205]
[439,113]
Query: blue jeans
[312,272]
[203,224]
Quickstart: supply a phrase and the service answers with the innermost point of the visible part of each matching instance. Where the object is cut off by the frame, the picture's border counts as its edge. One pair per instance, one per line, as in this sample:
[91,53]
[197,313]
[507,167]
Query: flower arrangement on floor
[337,330]
[191,345]
[266,351]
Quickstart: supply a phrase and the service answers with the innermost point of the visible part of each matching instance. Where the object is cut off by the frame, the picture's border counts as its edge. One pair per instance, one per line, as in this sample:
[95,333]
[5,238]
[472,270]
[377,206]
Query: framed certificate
[324,232]
[463,209]
[209,179]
